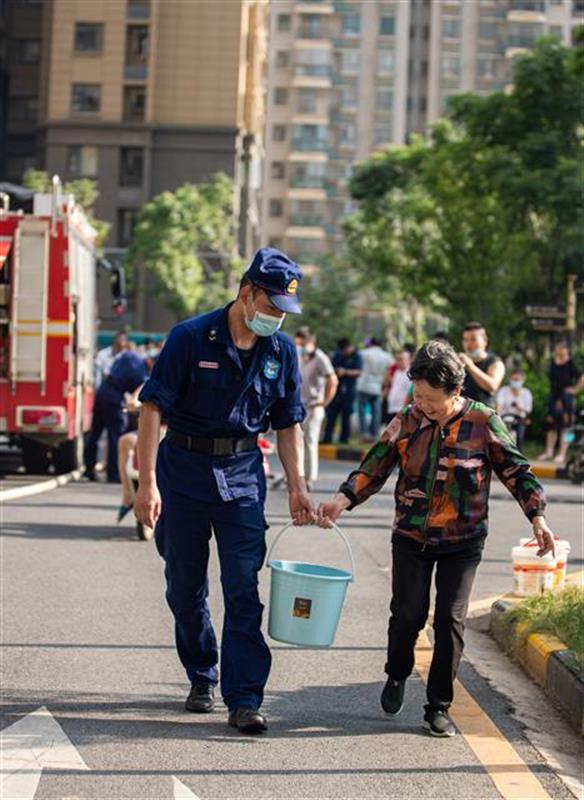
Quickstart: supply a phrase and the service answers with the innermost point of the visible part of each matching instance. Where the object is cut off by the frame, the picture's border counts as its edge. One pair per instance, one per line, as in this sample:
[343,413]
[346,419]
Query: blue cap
[278,276]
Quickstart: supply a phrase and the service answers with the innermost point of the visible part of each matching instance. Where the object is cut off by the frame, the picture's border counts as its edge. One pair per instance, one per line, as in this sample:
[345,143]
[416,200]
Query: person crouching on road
[446,447]
[221,379]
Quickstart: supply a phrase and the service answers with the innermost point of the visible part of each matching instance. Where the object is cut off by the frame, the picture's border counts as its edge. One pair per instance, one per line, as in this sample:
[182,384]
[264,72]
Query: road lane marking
[34,743]
[39,488]
[510,774]
[182,792]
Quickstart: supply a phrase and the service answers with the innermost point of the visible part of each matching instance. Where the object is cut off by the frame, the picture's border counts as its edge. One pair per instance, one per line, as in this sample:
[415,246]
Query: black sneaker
[438,722]
[392,697]
[248,720]
[201,699]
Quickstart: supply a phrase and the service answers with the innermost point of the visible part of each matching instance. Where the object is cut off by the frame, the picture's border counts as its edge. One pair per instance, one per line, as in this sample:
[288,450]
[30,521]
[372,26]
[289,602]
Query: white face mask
[516,384]
[264,324]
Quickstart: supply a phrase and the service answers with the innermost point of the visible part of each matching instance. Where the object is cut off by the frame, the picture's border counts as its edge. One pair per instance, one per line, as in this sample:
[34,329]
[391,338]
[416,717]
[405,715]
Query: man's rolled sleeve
[169,374]
[289,410]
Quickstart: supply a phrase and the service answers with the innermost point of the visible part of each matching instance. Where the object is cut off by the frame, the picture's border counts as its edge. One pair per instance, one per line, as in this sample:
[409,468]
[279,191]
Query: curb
[547,660]
[332,452]
[38,488]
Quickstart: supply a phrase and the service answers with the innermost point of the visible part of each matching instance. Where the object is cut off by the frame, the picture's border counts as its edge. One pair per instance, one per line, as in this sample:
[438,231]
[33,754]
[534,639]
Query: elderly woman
[447,447]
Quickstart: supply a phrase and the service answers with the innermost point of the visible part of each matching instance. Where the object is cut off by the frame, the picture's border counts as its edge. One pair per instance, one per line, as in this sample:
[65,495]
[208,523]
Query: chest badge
[271,369]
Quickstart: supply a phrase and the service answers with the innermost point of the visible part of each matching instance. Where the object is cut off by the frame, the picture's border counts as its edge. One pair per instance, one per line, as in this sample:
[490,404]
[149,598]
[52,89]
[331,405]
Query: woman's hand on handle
[328,513]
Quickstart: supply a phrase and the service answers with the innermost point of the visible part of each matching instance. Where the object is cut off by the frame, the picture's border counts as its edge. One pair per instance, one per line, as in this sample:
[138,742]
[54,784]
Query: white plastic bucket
[562,554]
[532,574]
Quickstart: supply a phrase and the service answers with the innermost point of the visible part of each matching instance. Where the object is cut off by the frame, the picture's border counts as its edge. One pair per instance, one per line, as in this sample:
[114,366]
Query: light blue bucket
[306,600]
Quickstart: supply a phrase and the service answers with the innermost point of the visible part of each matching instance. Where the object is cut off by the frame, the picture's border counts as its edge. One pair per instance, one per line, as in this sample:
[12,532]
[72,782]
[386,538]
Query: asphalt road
[87,635]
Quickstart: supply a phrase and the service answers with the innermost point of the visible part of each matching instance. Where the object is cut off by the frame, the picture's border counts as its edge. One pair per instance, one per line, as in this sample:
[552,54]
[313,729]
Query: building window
[278,170]
[139,9]
[28,51]
[127,218]
[276,208]
[282,58]
[349,97]
[451,28]
[131,166]
[81,161]
[280,96]
[23,109]
[523,35]
[284,22]
[381,133]
[310,137]
[134,103]
[450,66]
[486,67]
[387,26]
[86,98]
[487,30]
[348,133]
[557,31]
[351,24]
[385,62]
[350,61]
[310,26]
[384,99]
[279,133]
[307,101]
[445,102]
[88,37]
[137,44]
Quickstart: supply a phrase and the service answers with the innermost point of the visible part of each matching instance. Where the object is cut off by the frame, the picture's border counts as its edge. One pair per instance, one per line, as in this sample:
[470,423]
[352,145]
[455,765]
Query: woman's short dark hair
[438,364]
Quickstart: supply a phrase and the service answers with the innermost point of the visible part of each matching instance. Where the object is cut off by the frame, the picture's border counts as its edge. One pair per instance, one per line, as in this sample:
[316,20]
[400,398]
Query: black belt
[212,447]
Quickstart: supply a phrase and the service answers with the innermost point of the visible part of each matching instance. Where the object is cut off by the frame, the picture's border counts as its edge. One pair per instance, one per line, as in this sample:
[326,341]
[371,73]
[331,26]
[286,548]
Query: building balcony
[305,232]
[318,195]
[310,145]
[314,7]
[135,72]
[307,182]
[306,221]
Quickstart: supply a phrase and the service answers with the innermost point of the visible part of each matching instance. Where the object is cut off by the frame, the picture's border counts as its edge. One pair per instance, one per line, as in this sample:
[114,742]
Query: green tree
[328,298]
[84,190]
[186,242]
[487,214]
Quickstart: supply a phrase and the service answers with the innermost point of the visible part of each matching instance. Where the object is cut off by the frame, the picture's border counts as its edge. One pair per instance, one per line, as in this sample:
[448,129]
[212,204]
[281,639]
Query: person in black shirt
[484,370]
[565,382]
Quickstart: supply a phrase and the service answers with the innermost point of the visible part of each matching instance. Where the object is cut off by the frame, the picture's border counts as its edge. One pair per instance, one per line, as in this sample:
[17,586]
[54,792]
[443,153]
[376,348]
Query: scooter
[575,455]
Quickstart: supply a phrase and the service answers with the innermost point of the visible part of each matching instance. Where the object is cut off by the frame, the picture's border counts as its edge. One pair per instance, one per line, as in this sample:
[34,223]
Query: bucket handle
[335,528]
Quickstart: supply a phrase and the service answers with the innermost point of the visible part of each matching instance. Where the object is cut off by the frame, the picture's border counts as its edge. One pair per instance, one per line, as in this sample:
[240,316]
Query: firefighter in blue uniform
[221,379]
[128,373]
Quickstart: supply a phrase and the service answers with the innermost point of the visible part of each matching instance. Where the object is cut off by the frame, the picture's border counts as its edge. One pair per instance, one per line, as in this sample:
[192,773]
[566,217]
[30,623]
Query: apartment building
[145,95]
[347,78]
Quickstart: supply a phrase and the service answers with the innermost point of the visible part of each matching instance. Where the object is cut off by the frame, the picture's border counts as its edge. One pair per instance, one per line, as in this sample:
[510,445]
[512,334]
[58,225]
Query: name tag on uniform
[209,364]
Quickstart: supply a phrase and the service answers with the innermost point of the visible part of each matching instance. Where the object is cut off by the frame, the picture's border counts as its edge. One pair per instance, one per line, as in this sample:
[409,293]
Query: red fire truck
[47,330]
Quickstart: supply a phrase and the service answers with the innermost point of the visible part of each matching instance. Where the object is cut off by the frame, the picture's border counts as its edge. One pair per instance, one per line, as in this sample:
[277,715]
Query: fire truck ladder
[28,357]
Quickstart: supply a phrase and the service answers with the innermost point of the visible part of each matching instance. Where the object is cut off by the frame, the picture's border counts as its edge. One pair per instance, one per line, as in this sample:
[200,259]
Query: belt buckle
[223,447]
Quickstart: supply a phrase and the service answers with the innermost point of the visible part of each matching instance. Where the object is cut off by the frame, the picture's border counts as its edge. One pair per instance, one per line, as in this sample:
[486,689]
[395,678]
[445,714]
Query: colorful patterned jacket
[442,491]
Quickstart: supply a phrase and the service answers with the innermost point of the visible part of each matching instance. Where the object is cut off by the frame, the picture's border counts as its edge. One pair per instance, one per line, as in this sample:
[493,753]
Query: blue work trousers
[108,414]
[183,533]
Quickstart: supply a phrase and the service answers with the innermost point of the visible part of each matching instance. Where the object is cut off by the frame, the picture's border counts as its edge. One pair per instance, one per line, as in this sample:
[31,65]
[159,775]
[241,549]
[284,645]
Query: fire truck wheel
[67,456]
[35,457]
[144,532]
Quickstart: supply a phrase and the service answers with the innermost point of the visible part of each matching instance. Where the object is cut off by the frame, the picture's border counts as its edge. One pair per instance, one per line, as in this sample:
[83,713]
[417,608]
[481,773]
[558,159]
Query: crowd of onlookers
[363,389]
[349,392]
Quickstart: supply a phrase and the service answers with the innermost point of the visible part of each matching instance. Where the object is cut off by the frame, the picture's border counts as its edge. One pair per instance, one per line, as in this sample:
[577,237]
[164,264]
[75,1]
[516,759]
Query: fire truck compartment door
[28,357]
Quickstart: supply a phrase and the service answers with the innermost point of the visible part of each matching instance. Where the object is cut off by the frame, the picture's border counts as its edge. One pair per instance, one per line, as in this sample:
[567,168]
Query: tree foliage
[487,214]
[186,242]
[84,190]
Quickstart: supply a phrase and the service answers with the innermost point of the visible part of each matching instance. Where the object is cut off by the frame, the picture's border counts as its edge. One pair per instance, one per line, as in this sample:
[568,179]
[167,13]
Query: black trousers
[413,566]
